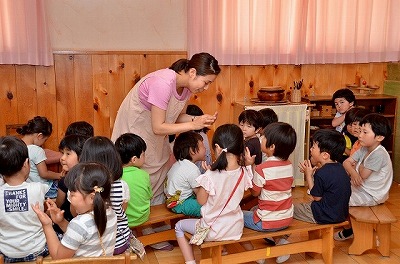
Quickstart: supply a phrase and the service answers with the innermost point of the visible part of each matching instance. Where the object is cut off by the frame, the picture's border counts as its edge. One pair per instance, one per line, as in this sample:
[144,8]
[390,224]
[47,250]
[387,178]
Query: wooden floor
[339,253]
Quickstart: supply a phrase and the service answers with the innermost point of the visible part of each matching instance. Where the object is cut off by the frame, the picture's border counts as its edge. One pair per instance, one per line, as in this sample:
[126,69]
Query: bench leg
[214,253]
[363,237]
[326,243]
[383,238]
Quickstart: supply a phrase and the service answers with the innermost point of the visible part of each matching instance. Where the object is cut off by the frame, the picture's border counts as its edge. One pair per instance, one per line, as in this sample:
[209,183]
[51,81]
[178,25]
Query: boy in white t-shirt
[181,185]
[21,233]
[370,168]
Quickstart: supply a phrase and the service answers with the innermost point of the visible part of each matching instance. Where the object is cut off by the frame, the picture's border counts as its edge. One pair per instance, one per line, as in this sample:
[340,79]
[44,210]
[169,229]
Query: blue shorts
[52,192]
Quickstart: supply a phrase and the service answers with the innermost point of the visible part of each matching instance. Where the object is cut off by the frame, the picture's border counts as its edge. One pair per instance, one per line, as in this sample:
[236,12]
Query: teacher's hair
[204,63]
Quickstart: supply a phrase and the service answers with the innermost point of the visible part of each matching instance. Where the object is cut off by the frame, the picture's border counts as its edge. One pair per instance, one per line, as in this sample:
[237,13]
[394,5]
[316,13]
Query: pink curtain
[23,33]
[262,32]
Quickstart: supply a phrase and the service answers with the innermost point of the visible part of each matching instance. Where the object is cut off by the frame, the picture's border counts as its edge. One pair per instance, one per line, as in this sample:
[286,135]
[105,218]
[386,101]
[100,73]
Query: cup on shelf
[296,96]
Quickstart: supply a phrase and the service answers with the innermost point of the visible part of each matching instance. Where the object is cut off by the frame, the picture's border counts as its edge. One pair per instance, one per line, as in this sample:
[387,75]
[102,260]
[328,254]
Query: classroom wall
[105,25]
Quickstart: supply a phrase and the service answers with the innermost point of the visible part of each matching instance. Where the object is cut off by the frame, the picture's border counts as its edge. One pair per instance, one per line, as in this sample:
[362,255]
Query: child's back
[131,149]
[101,149]
[21,233]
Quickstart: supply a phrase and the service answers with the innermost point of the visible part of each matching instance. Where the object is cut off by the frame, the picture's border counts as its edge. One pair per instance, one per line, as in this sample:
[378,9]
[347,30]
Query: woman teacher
[155,108]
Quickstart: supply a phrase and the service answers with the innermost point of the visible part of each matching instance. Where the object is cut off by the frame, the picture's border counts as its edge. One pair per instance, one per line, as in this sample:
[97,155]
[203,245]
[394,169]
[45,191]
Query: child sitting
[343,100]
[272,184]
[220,192]
[250,122]
[92,232]
[34,134]
[181,185]
[353,119]
[21,234]
[194,110]
[370,168]
[71,148]
[132,149]
[329,184]
[102,150]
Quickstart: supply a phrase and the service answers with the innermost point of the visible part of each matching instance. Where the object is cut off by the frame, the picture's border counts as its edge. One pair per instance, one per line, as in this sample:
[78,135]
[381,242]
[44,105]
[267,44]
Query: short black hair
[252,117]
[82,128]
[186,142]
[283,136]
[344,93]
[269,116]
[379,124]
[130,145]
[331,142]
[74,143]
[355,114]
[13,154]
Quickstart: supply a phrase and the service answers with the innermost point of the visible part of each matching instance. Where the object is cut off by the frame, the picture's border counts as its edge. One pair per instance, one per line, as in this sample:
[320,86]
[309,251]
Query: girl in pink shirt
[221,214]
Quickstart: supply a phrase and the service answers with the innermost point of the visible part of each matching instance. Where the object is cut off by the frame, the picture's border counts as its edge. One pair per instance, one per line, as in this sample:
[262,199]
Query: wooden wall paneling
[335,77]
[47,103]
[83,84]
[377,75]
[163,61]
[266,77]
[280,75]
[237,80]
[349,74]
[65,91]
[26,93]
[222,98]
[252,80]
[116,85]
[148,63]
[363,70]
[101,102]
[132,71]
[9,107]
[308,76]
[321,80]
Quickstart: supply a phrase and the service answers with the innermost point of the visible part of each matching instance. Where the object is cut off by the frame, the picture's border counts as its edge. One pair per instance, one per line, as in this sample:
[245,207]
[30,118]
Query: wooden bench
[371,227]
[125,258]
[320,240]
[159,214]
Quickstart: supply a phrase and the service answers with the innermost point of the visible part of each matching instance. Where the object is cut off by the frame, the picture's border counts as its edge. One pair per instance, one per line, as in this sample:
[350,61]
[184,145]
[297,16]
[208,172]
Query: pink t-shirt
[158,88]
[219,185]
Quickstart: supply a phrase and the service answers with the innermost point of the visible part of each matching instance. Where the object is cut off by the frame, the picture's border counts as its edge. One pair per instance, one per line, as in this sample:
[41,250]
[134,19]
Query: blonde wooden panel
[349,74]
[116,85]
[280,76]
[148,63]
[132,71]
[46,97]
[377,75]
[237,83]
[9,107]
[101,102]
[222,100]
[64,72]
[308,76]
[83,89]
[322,80]
[26,92]
[335,77]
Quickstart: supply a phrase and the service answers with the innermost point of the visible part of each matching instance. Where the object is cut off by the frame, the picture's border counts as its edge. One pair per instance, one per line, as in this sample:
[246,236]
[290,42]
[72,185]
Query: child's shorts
[52,192]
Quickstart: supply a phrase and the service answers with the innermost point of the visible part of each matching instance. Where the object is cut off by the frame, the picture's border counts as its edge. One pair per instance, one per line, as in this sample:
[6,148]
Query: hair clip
[98,189]
[225,150]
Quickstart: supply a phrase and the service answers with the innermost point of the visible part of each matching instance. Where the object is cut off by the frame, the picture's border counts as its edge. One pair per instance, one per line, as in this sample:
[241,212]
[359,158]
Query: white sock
[190,262]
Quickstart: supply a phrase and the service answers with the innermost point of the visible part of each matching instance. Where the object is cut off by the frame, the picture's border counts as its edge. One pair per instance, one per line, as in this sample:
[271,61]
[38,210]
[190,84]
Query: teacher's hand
[204,120]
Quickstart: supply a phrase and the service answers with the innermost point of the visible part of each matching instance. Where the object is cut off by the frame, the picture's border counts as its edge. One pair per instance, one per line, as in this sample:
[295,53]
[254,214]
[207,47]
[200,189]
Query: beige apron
[132,117]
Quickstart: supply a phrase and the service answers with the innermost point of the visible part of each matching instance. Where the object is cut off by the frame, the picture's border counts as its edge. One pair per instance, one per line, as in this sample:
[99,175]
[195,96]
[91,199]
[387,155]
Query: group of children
[102,191]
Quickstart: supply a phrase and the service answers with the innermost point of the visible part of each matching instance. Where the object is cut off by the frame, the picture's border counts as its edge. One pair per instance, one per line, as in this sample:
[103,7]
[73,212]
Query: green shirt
[138,209]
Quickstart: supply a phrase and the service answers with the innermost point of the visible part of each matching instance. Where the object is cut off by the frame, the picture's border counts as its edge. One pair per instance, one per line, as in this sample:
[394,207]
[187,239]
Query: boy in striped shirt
[272,184]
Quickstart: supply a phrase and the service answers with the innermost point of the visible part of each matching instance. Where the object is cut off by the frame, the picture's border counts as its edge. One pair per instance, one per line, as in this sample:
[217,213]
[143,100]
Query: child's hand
[356,179]
[43,217]
[56,214]
[248,159]
[205,166]
[307,168]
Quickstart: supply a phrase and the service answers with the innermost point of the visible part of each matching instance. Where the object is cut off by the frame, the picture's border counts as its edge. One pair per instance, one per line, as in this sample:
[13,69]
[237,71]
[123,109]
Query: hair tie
[98,189]
[225,150]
